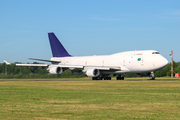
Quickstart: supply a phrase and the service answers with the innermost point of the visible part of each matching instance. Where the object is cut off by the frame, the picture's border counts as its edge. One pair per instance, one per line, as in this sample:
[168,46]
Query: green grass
[90,100]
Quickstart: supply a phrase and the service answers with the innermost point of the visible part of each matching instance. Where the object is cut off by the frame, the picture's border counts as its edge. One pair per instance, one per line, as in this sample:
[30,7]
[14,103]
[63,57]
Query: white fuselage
[128,62]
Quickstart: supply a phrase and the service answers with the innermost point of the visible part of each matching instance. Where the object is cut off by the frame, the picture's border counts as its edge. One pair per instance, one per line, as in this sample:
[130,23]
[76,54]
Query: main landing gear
[105,77]
[119,77]
[152,76]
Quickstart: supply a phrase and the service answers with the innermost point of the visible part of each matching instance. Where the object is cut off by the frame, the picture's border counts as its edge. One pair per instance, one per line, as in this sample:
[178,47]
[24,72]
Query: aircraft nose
[165,61]
[162,62]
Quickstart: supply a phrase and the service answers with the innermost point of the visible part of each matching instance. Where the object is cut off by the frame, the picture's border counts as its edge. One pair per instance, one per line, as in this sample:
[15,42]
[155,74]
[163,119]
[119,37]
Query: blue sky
[88,27]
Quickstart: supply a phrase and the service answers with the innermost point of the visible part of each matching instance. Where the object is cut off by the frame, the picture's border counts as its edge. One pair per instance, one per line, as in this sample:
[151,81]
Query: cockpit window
[155,52]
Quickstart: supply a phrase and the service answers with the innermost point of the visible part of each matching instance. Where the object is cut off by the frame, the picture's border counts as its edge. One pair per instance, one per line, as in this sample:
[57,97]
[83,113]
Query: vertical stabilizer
[57,48]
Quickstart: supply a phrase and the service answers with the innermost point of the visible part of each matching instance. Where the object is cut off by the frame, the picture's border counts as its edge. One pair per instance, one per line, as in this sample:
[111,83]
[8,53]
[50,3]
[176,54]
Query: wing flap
[42,65]
[71,66]
[103,67]
[122,68]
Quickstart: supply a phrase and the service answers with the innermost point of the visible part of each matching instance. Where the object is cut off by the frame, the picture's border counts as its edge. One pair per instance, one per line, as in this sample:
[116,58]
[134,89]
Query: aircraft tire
[120,78]
[106,78]
[95,78]
[152,78]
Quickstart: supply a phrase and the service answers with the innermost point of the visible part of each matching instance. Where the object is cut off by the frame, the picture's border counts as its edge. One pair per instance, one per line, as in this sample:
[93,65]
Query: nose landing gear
[152,76]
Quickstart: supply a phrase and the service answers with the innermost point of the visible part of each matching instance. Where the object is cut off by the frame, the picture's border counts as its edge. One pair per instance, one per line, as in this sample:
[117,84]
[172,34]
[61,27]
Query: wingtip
[7,63]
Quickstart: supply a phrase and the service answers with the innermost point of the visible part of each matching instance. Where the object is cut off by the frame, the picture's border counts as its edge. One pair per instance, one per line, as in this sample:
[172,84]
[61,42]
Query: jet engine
[92,72]
[55,70]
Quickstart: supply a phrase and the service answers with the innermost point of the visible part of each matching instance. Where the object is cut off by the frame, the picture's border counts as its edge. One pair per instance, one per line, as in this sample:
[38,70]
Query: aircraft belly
[114,72]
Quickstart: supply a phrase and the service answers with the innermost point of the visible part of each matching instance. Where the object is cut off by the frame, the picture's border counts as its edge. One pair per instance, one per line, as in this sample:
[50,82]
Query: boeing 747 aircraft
[144,62]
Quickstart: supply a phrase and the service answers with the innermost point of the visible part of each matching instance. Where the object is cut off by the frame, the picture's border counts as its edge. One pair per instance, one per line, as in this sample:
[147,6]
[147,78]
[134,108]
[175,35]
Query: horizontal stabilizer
[44,60]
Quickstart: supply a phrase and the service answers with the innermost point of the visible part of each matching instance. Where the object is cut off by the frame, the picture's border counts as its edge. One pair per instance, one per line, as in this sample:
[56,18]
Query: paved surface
[152,80]
[130,79]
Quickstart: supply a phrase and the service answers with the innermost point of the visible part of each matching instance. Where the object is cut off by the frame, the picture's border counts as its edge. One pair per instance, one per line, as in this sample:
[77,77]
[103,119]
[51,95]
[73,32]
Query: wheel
[95,78]
[152,78]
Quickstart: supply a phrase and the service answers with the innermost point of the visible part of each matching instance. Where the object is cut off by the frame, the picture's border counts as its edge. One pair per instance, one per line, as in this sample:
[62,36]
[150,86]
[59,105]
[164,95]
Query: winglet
[7,63]
[57,48]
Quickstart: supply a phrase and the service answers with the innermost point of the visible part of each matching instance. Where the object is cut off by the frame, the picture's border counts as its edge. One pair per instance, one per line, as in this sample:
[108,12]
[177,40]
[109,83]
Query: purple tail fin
[57,48]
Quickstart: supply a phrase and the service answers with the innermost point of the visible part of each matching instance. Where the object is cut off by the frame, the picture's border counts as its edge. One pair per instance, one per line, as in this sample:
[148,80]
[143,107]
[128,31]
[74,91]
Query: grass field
[90,100]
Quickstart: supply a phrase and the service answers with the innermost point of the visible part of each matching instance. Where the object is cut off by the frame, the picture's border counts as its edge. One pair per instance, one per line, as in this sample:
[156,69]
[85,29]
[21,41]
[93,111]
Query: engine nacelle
[145,74]
[55,70]
[92,72]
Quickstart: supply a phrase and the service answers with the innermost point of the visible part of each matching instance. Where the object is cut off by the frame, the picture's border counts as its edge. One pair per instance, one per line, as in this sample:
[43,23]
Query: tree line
[17,72]
[167,70]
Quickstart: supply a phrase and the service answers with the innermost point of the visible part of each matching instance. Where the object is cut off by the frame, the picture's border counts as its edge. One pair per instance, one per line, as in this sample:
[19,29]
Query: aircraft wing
[89,67]
[43,65]
[122,68]
[80,67]
[7,63]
